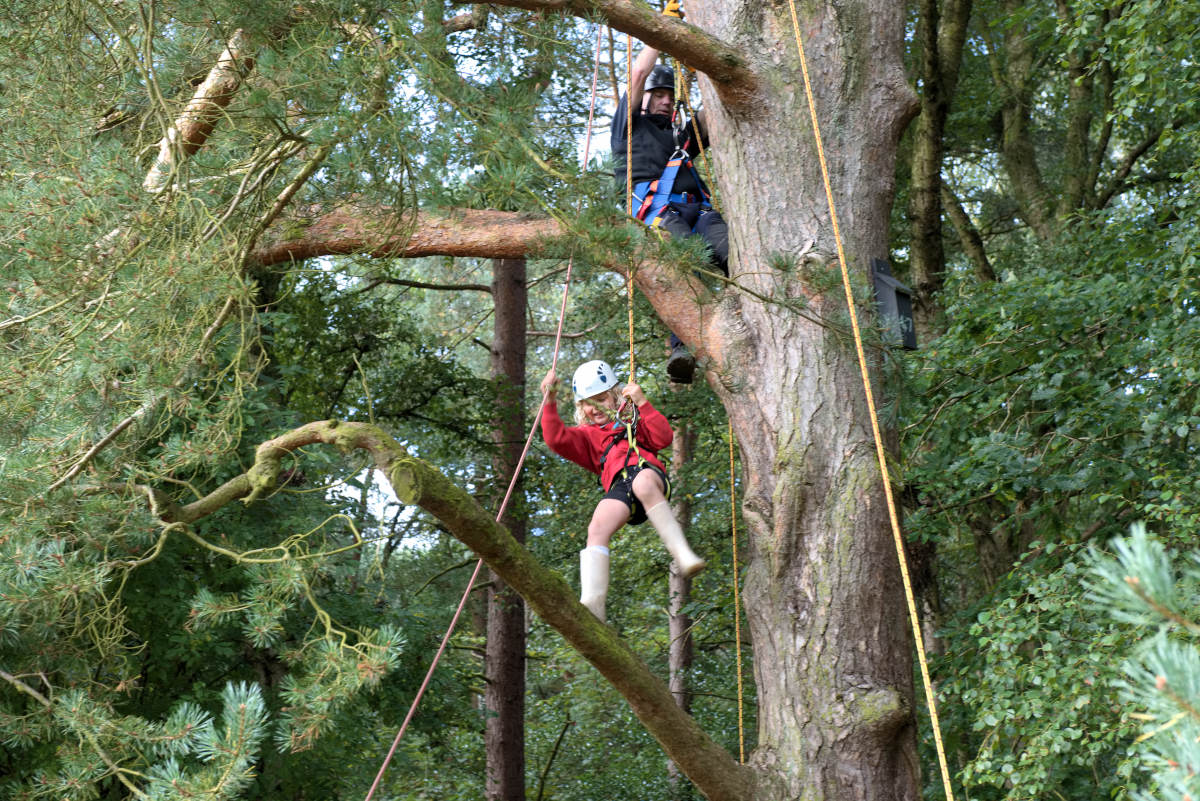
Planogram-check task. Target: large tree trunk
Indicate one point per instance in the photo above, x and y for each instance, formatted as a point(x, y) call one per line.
point(504, 670)
point(823, 595)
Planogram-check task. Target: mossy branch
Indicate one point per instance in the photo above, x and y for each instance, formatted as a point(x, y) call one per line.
point(414, 481)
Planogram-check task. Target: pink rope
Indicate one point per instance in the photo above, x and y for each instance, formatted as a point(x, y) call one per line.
point(562, 313)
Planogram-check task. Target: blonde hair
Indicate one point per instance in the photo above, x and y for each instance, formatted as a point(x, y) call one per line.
point(581, 415)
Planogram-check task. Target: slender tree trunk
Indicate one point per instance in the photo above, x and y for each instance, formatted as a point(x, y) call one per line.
point(1015, 136)
point(679, 623)
point(969, 237)
point(504, 700)
point(941, 32)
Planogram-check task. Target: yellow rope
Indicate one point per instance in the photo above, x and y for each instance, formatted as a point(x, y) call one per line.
point(879, 448)
point(629, 182)
point(629, 123)
point(704, 163)
point(737, 605)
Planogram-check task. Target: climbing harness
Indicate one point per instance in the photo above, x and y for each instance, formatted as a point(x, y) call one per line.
point(623, 429)
point(880, 452)
point(653, 197)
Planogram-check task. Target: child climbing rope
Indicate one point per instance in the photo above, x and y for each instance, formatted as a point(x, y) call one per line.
point(633, 479)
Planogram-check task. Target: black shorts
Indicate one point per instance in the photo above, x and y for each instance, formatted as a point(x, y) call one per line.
point(622, 490)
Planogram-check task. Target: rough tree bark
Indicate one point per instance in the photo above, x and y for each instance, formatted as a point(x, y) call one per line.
point(823, 597)
point(832, 653)
point(504, 660)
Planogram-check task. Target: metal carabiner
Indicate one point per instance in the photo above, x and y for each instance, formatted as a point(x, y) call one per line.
point(678, 127)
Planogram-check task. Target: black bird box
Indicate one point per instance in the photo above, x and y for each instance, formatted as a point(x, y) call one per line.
point(895, 305)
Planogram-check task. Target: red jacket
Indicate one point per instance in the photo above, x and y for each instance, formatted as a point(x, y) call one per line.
point(585, 444)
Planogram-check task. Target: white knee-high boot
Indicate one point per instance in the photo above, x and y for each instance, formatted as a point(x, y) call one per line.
point(593, 579)
point(671, 534)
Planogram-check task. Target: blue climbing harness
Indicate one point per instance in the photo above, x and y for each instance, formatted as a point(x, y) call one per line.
point(651, 197)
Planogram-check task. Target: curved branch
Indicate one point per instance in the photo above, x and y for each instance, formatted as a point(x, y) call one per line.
point(727, 67)
point(1117, 184)
point(718, 776)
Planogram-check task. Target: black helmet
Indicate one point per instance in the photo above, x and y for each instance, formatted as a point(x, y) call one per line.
point(661, 77)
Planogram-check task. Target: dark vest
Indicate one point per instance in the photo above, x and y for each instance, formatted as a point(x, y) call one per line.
point(653, 145)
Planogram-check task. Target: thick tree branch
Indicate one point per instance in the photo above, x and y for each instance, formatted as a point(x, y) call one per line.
point(471, 20)
point(718, 776)
point(727, 67)
point(680, 299)
point(380, 232)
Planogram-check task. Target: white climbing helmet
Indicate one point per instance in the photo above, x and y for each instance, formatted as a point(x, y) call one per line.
point(592, 378)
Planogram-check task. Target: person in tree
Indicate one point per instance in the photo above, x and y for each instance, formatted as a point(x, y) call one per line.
point(633, 479)
point(668, 193)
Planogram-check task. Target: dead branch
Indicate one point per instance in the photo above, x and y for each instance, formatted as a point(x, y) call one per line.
point(385, 281)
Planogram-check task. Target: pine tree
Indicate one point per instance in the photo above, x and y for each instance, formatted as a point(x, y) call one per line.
point(1156, 591)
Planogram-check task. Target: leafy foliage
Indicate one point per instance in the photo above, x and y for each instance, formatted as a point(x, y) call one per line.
point(1029, 675)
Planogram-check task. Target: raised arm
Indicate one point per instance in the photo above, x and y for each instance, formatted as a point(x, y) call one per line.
point(642, 66)
point(646, 60)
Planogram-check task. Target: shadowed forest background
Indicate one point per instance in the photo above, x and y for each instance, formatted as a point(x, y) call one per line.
point(152, 338)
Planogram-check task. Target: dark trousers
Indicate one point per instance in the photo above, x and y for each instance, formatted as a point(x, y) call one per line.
point(690, 219)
